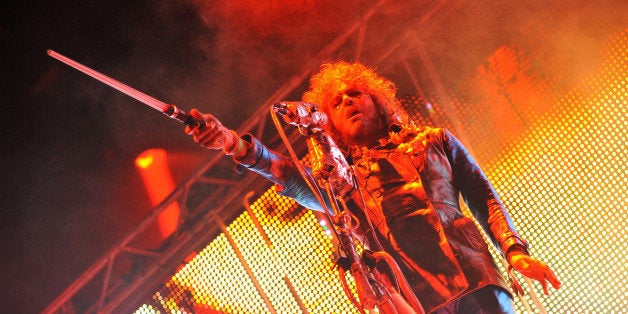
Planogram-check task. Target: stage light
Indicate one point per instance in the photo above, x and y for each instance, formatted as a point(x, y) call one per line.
point(153, 166)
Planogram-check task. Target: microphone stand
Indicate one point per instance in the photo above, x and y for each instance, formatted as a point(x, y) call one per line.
point(331, 171)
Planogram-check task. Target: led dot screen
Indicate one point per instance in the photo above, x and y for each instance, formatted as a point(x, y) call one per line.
point(290, 258)
point(556, 155)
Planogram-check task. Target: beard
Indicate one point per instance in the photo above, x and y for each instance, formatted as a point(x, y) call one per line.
point(362, 133)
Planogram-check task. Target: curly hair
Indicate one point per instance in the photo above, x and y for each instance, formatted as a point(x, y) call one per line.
point(335, 76)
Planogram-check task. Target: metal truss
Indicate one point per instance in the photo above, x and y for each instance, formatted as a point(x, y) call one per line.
point(128, 274)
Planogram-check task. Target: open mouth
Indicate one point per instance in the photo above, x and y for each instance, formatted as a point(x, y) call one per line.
point(354, 113)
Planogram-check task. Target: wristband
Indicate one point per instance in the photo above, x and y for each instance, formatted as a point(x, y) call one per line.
point(516, 248)
point(235, 146)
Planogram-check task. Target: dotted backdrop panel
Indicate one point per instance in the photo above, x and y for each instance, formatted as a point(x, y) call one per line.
point(556, 155)
point(289, 254)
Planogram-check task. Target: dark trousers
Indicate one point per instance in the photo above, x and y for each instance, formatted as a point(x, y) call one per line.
point(487, 300)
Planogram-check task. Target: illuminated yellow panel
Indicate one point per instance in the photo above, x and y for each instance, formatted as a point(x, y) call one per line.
point(565, 183)
point(296, 255)
point(563, 175)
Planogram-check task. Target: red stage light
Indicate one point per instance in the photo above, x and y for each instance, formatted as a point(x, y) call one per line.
point(153, 166)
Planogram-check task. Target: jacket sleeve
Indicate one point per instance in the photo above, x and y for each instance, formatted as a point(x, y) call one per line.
point(481, 197)
point(280, 170)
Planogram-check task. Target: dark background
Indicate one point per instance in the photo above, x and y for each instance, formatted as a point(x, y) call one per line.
point(69, 189)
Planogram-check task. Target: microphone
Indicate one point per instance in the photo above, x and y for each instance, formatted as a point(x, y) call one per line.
point(301, 114)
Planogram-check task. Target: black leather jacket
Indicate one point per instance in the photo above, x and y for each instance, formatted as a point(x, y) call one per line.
point(410, 191)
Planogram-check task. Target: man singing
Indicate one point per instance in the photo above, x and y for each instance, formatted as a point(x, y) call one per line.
point(410, 180)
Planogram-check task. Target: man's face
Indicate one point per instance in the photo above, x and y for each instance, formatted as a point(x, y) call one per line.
point(355, 117)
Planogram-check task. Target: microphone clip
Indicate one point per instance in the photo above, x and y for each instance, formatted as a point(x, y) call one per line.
point(306, 116)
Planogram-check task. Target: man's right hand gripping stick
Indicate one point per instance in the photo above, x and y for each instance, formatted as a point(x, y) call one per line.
point(212, 134)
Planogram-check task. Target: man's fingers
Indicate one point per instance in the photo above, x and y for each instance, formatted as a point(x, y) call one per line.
point(196, 114)
point(551, 277)
point(544, 284)
point(536, 270)
point(209, 120)
point(210, 139)
point(555, 283)
point(210, 134)
point(210, 128)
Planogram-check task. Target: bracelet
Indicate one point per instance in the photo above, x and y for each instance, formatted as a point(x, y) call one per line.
point(516, 248)
point(235, 146)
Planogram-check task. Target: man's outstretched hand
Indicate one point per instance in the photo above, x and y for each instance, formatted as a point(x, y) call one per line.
point(533, 269)
point(213, 134)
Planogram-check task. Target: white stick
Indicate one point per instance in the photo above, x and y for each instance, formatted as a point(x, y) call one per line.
point(148, 100)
